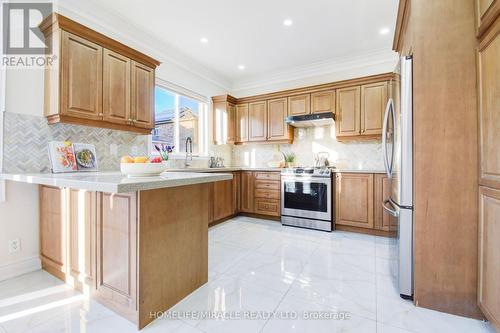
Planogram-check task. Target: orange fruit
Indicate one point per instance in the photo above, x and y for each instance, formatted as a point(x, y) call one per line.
point(140, 159)
point(126, 159)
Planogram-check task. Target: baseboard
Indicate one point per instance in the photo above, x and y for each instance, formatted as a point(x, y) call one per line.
point(20, 267)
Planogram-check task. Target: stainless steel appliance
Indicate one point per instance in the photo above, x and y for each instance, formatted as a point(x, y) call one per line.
point(311, 120)
point(397, 147)
point(306, 198)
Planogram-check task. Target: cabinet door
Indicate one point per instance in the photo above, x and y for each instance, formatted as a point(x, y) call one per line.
point(81, 78)
point(489, 107)
point(277, 129)
point(53, 230)
point(223, 199)
point(247, 192)
point(354, 200)
point(117, 251)
point(299, 105)
point(242, 123)
point(489, 254)
point(323, 101)
point(257, 126)
point(382, 219)
point(236, 192)
point(231, 123)
point(143, 83)
point(373, 103)
point(82, 232)
point(116, 88)
point(347, 122)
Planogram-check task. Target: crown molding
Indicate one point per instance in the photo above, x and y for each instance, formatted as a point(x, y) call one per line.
point(379, 60)
point(112, 24)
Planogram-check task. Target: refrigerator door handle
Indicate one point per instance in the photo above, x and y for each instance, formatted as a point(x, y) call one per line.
point(392, 212)
point(388, 109)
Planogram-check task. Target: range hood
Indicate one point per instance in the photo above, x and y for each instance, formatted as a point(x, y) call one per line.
point(311, 120)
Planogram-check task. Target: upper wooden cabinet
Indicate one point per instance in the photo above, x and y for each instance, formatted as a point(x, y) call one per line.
point(257, 121)
point(347, 122)
point(277, 129)
point(360, 110)
point(96, 81)
point(354, 200)
point(299, 105)
point(323, 101)
point(116, 88)
point(489, 107)
point(224, 119)
point(242, 123)
point(373, 102)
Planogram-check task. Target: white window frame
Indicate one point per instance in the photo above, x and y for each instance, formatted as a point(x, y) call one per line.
point(3, 91)
point(203, 135)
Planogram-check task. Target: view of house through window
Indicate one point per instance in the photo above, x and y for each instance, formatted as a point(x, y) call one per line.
point(178, 117)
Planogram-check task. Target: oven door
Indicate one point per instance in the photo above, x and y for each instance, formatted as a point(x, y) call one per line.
point(308, 197)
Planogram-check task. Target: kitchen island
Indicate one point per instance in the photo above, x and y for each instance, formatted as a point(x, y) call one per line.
point(137, 245)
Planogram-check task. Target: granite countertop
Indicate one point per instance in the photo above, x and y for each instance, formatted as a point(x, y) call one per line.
point(115, 182)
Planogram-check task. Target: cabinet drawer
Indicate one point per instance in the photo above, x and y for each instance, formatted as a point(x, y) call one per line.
point(267, 175)
point(267, 207)
point(267, 184)
point(267, 194)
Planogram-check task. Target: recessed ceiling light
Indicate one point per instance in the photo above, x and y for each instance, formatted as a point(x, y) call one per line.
point(384, 31)
point(241, 67)
point(287, 22)
point(204, 40)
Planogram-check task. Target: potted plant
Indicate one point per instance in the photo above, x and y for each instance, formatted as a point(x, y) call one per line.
point(289, 159)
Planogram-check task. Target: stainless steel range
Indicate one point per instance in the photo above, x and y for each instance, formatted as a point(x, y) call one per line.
point(306, 198)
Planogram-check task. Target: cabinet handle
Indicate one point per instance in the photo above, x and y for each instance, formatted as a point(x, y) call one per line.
point(100, 115)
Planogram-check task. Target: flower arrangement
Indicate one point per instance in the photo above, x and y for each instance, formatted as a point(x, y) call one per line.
point(164, 150)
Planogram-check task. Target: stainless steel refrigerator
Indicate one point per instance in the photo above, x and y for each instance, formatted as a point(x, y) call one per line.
point(397, 148)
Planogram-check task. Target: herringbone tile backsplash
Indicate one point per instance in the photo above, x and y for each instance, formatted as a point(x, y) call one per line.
point(26, 140)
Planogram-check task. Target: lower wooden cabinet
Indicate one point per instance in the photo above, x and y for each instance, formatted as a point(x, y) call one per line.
point(489, 254)
point(260, 193)
point(246, 192)
point(223, 199)
point(354, 200)
point(382, 191)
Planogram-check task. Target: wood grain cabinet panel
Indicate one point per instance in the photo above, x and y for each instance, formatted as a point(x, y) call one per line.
point(117, 251)
point(382, 191)
point(299, 105)
point(257, 121)
point(489, 107)
point(81, 77)
point(231, 123)
point(116, 88)
point(373, 103)
point(277, 129)
point(143, 78)
point(347, 121)
point(489, 254)
point(487, 11)
point(241, 123)
point(53, 230)
point(267, 207)
point(247, 192)
point(323, 101)
point(354, 200)
point(223, 199)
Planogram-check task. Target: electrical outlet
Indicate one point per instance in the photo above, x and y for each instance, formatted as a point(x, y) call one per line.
point(14, 245)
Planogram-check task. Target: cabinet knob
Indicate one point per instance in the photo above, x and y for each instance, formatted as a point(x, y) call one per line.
point(100, 114)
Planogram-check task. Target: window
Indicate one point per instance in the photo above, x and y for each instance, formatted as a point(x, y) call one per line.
point(177, 117)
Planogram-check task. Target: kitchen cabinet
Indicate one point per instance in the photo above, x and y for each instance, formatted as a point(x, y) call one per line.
point(373, 103)
point(267, 193)
point(241, 123)
point(299, 105)
point(277, 129)
point(81, 77)
point(246, 192)
point(487, 12)
point(323, 101)
point(489, 101)
point(382, 191)
point(489, 254)
point(354, 200)
point(223, 199)
point(236, 192)
point(116, 88)
point(97, 81)
point(347, 122)
point(224, 120)
point(257, 121)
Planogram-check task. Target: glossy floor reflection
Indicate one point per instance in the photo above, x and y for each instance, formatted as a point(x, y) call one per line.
point(256, 267)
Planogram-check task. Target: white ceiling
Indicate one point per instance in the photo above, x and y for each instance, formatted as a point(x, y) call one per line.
point(252, 32)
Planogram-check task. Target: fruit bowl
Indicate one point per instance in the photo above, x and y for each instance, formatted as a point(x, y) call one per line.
point(142, 169)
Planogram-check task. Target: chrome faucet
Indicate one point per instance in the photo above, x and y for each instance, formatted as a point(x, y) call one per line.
point(189, 151)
